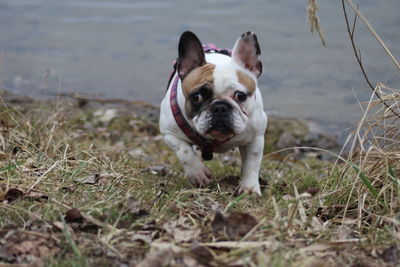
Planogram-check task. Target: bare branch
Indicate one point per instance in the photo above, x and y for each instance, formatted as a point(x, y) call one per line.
point(357, 54)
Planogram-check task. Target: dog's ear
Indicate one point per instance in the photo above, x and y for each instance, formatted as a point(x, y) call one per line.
point(191, 54)
point(246, 52)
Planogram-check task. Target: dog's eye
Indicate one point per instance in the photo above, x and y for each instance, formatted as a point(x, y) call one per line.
point(240, 96)
point(196, 98)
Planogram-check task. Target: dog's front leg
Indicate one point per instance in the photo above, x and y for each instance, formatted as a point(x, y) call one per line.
point(193, 165)
point(251, 155)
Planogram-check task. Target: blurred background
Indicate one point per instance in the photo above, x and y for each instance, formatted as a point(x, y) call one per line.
point(125, 49)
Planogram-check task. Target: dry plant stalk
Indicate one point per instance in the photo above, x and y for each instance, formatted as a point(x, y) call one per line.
point(313, 19)
point(377, 154)
point(375, 149)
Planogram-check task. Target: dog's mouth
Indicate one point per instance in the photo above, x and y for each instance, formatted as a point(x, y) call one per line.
point(220, 130)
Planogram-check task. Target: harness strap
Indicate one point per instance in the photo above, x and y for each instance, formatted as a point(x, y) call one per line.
point(206, 146)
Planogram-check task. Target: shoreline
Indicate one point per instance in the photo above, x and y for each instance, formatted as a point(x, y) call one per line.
point(282, 132)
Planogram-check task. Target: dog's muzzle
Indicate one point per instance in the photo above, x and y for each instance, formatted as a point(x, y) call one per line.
point(221, 118)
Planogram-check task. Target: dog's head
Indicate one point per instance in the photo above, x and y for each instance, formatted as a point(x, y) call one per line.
point(219, 95)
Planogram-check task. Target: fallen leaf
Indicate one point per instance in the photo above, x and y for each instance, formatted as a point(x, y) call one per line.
point(22, 248)
point(13, 194)
point(124, 224)
point(202, 255)
point(33, 217)
point(317, 247)
point(88, 227)
point(156, 258)
point(313, 190)
point(391, 254)
point(231, 180)
point(102, 178)
point(229, 183)
point(73, 215)
point(59, 226)
point(2, 195)
point(36, 195)
point(344, 232)
point(141, 238)
point(132, 204)
point(159, 169)
point(134, 207)
point(223, 244)
point(91, 179)
point(236, 224)
point(240, 223)
point(181, 233)
point(219, 224)
point(189, 261)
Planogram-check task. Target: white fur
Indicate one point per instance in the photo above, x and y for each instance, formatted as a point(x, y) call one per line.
point(250, 128)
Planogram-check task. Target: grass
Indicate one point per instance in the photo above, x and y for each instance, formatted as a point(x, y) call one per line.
point(311, 212)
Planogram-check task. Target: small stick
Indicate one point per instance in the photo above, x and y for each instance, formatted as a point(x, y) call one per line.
point(357, 53)
point(374, 33)
point(42, 176)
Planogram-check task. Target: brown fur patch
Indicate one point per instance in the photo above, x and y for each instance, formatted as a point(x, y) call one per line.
point(247, 82)
point(198, 77)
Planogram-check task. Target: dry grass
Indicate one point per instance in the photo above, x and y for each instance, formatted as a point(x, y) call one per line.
point(313, 19)
point(375, 154)
point(84, 185)
point(96, 185)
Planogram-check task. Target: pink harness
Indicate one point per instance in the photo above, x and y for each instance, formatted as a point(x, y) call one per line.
point(206, 146)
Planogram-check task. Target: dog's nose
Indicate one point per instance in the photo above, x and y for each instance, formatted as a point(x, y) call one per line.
point(220, 108)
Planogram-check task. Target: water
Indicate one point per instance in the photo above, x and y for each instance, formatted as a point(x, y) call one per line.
point(125, 49)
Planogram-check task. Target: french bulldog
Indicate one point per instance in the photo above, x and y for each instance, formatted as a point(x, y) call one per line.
point(213, 104)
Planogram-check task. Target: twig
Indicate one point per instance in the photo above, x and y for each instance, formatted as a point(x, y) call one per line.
point(42, 176)
point(357, 54)
point(85, 216)
point(374, 33)
point(221, 244)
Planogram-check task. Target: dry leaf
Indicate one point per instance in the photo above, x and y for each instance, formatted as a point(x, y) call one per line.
point(240, 223)
point(236, 224)
point(156, 258)
point(59, 226)
point(73, 215)
point(142, 238)
point(23, 248)
point(181, 233)
point(391, 254)
point(91, 179)
point(33, 217)
point(159, 169)
point(13, 194)
point(202, 255)
point(219, 224)
point(102, 178)
point(189, 261)
point(313, 190)
point(134, 207)
point(36, 195)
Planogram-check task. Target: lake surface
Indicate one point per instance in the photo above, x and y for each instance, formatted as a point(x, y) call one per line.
point(125, 49)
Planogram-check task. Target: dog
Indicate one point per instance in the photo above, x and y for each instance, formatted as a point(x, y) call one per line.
point(213, 104)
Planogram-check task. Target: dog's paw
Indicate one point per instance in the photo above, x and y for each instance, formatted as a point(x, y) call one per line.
point(198, 174)
point(249, 186)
